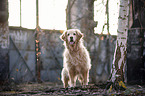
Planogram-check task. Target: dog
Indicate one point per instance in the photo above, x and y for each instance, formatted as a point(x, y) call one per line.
point(76, 59)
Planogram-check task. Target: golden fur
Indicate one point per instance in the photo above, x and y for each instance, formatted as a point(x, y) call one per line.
point(76, 59)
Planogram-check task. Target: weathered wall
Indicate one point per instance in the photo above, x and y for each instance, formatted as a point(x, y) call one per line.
point(101, 54)
point(22, 56)
point(136, 43)
point(51, 55)
point(135, 56)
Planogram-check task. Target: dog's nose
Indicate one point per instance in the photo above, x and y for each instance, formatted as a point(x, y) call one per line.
point(71, 38)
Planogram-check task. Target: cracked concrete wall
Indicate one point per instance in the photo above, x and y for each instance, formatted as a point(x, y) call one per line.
point(51, 56)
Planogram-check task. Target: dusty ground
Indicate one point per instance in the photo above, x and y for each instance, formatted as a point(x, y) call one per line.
point(49, 88)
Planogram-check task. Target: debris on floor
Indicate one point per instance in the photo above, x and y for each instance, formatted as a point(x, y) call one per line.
point(49, 88)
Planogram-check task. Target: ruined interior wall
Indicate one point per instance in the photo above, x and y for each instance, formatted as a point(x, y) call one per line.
point(51, 56)
point(22, 55)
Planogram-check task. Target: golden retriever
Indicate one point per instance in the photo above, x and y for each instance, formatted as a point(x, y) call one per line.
point(76, 59)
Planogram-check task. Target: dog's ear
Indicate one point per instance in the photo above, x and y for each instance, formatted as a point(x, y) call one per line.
point(80, 35)
point(63, 36)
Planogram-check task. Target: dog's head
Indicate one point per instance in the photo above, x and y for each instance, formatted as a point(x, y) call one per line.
point(71, 36)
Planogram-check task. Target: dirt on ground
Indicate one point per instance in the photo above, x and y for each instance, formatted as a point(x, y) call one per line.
point(48, 88)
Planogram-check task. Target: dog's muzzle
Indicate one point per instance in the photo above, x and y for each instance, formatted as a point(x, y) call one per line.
point(71, 40)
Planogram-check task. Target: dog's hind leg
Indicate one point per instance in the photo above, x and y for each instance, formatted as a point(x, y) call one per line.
point(66, 82)
point(85, 77)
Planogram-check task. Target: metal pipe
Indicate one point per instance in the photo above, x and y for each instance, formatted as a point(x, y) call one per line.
point(20, 14)
point(37, 13)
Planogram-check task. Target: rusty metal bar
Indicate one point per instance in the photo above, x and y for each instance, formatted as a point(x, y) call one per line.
point(107, 13)
point(37, 45)
point(37, 54)
point(37, 13)
point(20, 14)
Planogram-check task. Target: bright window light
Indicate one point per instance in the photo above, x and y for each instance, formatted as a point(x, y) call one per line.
point(52, 14)
point(29, 14)
point(14, 13)
point(99, 15)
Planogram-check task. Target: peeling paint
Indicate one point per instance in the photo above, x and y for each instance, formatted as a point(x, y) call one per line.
point(19, 36)
point(4, 38)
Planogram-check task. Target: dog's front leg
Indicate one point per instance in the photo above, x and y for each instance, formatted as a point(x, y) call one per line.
point(72, 77)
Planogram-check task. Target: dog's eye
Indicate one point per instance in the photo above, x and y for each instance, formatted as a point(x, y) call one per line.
point(74, 34)
point(68, 34)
